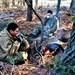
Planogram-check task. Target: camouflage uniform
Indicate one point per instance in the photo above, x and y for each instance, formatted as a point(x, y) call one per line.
point(50, 26)
point(11, 50)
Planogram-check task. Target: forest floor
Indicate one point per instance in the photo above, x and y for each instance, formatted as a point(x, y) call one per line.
point(26, 27)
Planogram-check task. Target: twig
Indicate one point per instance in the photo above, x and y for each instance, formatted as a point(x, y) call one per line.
point(1, 73)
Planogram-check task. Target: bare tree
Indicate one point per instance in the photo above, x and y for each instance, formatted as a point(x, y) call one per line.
point(13, 2)
point(29, 11)
point(58, 7)
point(71, 4)
point(72, 7)
point(36, 2)
point(23, 2)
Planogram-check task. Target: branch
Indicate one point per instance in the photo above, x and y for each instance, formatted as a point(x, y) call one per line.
point(38, 18)
point(33, 10)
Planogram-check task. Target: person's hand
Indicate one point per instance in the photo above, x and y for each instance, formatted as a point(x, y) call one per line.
point(27, 46)
point(43, 48)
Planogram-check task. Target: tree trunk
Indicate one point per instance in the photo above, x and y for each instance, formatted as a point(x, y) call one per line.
point(23, 2)
point(71, 5)
point(13, 2)
point(29, 11)
point(36, 1)
point(58, 7)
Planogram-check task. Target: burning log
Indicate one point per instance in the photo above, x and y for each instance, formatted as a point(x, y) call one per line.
point(52, 49)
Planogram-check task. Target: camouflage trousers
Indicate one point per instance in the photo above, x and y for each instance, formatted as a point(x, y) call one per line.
point(22, 55)
point(37, 30)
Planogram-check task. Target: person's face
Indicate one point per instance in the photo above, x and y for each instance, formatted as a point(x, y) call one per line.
point(49, 15)
point(15, 32)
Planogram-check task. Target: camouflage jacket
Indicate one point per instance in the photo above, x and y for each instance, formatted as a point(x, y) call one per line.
point(8, 46)
point(50, 24)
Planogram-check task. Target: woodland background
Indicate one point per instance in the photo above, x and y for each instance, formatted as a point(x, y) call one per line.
point(24, 16)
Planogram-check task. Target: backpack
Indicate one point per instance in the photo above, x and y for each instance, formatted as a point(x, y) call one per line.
point(4, 23)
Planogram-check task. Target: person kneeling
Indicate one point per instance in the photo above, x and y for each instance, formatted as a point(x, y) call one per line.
point(13, 45)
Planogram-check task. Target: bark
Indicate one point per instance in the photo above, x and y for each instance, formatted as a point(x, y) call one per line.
point(58, 7)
